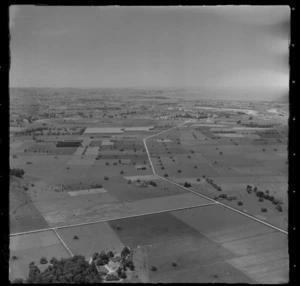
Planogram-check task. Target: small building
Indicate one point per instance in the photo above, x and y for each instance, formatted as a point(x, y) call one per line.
point(140, 167)
point(125, 161)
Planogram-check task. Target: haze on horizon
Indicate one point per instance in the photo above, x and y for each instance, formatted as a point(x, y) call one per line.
point(211, 47)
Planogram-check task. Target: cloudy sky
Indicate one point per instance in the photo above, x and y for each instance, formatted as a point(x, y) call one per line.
point(185, 47)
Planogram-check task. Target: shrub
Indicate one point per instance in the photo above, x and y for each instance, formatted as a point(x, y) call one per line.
point(166, 175)
point(174, 264)
point(240, 203)
point(187, 184)
point(260, 199)
point(14, 257)
point(43, 260)
point(279, 208)
point(195, 167)
point(152, 184)
point(75, 237)
point(264, 210)
point(162, 168)
point(106, 178)
point(122, 172)
point(123, 275)
point(198, 180)
point(153, 268)
point(129, 181)
point(106, 163)
point(179, 171)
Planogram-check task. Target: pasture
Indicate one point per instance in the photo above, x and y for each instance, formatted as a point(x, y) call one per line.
point(91, 238)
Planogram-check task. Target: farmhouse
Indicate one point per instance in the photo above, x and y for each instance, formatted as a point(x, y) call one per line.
point(74, 143)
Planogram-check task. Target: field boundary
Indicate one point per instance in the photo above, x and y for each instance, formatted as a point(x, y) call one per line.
point(63, 243)
point(112, 219)
point(203, 196)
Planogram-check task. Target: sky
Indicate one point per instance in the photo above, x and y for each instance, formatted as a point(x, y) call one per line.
point(144, 47)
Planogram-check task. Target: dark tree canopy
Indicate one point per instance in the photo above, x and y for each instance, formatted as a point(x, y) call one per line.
point(66, 270)
point(17, 172)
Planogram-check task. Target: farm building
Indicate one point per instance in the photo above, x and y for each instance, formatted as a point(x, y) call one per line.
point(140, 167)
point(125, 161)
point(102, 130)
point(68, 143)
point(142, 128)
point(107, 142)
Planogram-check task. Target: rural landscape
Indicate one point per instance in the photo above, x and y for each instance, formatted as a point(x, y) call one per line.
point(197, 189)
point(149, 144)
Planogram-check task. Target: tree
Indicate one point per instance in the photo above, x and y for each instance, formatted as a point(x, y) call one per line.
point(43, 260)
point(187, 184)
point(110, 254)
point(75, 237)
point(16, 172)
point(174, 264)
point(240, 203)
point(153, 268)
point(125, 251)
point(123, 275)
point(264, 210)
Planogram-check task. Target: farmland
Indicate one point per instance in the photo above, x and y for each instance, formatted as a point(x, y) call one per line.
point(113, 181)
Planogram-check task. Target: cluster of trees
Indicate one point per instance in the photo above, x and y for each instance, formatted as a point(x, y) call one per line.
point(265, 195)
point(226, 197)
point(152, 184)
point(212, 183)
point(16, 172)
point(102, 258)
point(66, 270)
